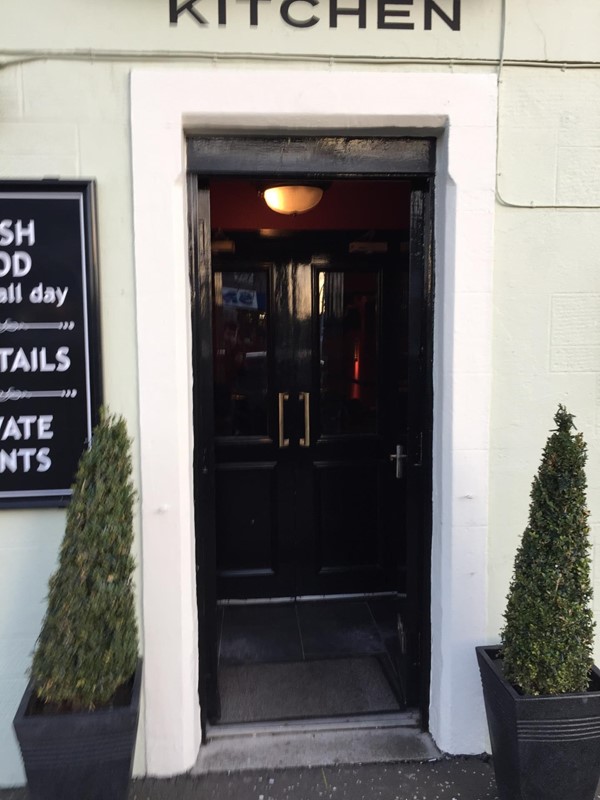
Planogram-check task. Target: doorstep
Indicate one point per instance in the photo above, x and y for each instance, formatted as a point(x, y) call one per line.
point(377, 739)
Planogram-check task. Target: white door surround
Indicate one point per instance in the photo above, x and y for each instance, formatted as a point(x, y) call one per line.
point(461, 111)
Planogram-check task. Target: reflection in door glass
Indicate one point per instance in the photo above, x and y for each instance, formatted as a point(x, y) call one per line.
point(240, 353)
point(348, 352)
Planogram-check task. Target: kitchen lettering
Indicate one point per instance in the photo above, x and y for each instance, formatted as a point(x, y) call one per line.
point(402, 15)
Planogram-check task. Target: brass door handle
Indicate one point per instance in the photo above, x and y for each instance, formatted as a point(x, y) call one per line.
point(281, 398)
point(305, 398)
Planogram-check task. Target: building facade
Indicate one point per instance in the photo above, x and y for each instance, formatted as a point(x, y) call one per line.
point(467, 135)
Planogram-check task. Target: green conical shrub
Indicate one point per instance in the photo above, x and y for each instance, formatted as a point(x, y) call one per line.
point(548, 636)
point(88, 645)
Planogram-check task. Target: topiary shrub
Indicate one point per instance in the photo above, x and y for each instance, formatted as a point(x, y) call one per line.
point(548, 636)
point(88, 645)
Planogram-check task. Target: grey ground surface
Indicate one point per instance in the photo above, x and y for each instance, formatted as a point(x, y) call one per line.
point(445, 779)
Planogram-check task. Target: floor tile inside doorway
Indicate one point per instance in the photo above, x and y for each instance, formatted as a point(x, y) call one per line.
point(272, 632)
point(252, 634)
point(306, 659)
point(336, 629)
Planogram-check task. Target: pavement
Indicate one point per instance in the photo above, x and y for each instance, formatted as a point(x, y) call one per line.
point(446, 778)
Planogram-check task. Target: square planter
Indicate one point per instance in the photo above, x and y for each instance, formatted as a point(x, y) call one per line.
point(545, 747)
point(79, 756)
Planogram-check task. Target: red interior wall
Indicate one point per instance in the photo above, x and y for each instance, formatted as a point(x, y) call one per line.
point(346, 205)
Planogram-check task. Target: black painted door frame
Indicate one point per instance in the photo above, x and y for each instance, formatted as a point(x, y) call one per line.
point(325, 157)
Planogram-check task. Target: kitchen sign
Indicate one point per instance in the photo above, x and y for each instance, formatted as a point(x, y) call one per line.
point(400, 15)
point(50, 387)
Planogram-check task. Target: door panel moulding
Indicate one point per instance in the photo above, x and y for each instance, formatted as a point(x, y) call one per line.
point(166, 104)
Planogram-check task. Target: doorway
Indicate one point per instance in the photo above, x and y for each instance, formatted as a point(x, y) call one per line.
point(313, 430)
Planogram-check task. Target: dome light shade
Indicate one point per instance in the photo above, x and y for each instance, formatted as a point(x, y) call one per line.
point(293, 199)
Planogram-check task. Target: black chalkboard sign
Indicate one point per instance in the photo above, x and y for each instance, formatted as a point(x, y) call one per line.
point(50, 381)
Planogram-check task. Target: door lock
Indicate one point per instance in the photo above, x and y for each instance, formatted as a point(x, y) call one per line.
point(399, 457)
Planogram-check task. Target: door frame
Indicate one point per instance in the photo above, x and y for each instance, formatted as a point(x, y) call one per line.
point(330, 157)
point(460, 109)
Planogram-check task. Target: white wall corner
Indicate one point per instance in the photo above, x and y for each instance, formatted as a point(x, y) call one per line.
point(462, 397)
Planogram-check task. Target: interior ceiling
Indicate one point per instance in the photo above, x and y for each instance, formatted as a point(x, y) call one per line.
point(346, 205)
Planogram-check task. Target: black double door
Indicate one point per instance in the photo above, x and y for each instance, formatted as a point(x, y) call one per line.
point(314, 415)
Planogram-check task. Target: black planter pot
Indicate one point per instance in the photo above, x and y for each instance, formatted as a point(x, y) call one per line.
point(546, 747)
point(80, 756)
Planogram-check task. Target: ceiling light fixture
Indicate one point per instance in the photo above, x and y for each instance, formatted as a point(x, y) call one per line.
point(292, 198)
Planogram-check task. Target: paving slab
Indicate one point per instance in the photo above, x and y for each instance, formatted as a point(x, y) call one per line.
point(468, 778)
point(447, 778)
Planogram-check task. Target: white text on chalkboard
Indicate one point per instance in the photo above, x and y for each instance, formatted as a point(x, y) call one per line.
point(21, 459)
point(20, 232)
point(34, 360)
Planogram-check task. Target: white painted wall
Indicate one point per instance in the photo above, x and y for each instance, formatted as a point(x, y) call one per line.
point(70, 121)
point(29, 544)
point(71, 118)
point(546, 298)
point(536, 29)
point(143, 26)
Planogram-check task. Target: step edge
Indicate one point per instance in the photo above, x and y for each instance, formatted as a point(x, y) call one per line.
point(404, 720)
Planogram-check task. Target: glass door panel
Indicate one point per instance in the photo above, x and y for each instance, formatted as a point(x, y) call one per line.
point(348, 332)
point(241, 353)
